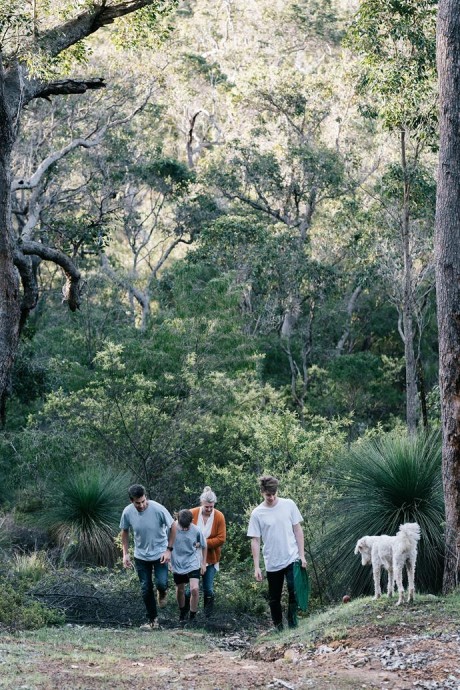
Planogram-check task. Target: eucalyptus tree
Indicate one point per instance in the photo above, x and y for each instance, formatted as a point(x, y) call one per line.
point(448, 275)
point(38, 42)
point(283, 176)
point(396, 54)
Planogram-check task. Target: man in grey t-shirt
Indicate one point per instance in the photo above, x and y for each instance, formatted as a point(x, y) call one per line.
point(154, 533)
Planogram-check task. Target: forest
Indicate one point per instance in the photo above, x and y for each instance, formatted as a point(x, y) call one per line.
point(218, 260)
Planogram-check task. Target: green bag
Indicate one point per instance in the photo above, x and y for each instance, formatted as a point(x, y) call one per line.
point(301, 586)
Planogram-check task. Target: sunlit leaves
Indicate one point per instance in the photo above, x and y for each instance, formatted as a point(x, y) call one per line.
point(395, 42)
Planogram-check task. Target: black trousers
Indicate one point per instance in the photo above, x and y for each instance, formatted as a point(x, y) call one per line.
point(275, 589)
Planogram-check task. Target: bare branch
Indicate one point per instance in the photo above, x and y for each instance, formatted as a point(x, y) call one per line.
point(97, 15)
point(86, 143)
point(71, 289)
point(66, 87)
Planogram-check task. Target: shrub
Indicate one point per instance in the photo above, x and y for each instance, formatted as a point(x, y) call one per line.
point(239, 594)
point(383, 483)
point(85, 515)
point(30, 567)
point(18, 612)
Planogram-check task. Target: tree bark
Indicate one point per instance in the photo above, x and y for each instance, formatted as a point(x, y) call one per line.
point(408, 317)
point(10, 298)
point(447, 255)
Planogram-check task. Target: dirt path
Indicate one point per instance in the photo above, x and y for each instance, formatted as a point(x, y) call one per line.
point(396, 659)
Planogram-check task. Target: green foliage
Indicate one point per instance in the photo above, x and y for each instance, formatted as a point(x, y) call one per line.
point(318, 17)
point(18, 612)
point(422, 188)
point(271, 440)
point(395, 41)
point(384, 482)
point(84, 513)
point(147, 27)
point(15, 24)
point(238, 592)
point(362, 385)
point(167, 174)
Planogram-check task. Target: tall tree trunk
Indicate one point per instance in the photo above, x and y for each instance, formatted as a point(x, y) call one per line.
point(9, 279)
point(408, 319)
point(447, 256)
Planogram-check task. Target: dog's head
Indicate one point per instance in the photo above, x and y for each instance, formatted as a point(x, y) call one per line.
point(364, 549)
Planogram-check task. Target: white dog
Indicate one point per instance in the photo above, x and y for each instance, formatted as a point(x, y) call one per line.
point(392, 553)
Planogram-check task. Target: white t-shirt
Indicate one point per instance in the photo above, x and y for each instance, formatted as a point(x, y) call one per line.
point(274, 524)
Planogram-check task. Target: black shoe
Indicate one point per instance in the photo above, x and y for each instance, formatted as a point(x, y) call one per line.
point(208, 605)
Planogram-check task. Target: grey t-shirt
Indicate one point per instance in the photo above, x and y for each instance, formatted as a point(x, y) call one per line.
point(187, 555)
point(150, 529)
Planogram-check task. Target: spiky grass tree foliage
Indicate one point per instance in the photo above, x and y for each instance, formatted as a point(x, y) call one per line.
point(383, 483)
point(85, 515)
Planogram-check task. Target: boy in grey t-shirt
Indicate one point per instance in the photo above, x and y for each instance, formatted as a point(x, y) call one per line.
point(188, 560)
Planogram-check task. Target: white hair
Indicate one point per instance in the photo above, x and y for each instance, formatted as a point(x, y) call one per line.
point(208, 495)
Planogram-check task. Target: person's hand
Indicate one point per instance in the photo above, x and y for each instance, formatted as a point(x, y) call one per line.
point(258, 574)
point(127, 562)
point(203, 568)
point(166, 557)
point(303, 562)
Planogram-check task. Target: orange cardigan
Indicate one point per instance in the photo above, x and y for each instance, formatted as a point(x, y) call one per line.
point(216, 538)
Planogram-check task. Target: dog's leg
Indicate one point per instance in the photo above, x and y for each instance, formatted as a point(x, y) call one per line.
point(410, 579)
point(376, 568)
point(391, 582)
point(399, 582)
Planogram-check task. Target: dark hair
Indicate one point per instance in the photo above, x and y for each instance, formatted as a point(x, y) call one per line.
point(185, 517)
point(268, 484)
point(136, 491)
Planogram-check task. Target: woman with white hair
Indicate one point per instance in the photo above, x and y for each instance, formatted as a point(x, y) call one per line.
point(211, 522)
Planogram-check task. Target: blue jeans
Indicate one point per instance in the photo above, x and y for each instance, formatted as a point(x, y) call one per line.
point(145, 571)
point(208, 581)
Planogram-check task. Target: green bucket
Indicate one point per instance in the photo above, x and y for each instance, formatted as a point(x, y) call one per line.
point(301, 586)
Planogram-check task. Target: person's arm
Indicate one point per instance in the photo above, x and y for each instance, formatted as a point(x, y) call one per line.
point(298, 533)
point(204, 556)
point(221, 534)
point(125, 544)
point(166, 556)
point(255, 550)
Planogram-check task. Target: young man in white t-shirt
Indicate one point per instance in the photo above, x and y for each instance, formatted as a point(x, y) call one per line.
point(277, 522)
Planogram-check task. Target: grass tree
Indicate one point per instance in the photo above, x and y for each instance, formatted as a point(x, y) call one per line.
point(384, 482)
point(85, 514)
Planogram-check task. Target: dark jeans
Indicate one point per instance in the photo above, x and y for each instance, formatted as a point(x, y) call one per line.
point(275, 589)
point(208, 581)
point(145, 571)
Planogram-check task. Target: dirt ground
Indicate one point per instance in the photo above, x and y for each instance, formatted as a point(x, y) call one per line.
point(396, 657)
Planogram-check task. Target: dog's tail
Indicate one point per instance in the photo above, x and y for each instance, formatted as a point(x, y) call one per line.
point(411, 530)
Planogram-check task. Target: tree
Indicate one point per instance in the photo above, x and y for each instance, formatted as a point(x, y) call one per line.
point(29, 63)
point(448, 275)
point(395, 44)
